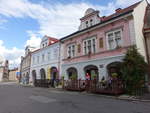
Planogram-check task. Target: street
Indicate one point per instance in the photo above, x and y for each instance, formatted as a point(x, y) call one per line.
point(20, 99)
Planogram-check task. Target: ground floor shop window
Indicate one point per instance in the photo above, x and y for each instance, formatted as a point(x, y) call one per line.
point(54, 76)
point(91, 72)
point(114, 70)
point(72, 73)
point(43, 74)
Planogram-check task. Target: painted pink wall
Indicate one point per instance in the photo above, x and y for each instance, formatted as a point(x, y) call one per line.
point(100, 33)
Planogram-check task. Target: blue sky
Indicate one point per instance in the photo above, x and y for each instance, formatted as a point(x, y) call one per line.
point(24, 22)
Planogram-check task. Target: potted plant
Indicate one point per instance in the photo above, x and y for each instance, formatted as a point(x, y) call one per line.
point(74, 77)
point(114, 75)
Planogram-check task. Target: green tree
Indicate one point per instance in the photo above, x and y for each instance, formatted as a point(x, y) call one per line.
point(134, 69)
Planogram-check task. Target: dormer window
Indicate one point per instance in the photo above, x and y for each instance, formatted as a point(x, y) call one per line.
point(90, 18)
point(46, 41)
point(86, 23)
point(91, 22)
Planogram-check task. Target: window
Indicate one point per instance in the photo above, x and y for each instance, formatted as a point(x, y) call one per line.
point(114, 39)
point(48, 56)
point(38, 59)
point(43, 57)
point(55, 53)
point(94, 47)
point(118, 38)
point(71, 50)
point(91, 22)
point(89, 45)
point(33, 60)
point(111, 41)
point(101, 44)
point(85, 47)
point(86, 23)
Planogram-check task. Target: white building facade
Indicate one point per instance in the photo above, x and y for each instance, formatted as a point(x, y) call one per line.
point(45, 61)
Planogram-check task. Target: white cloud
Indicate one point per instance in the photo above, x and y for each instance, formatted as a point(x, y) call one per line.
point(59, 19)
point(56, 20)
point(13, 54)
point(64, 19)
point(124, 3)
point(34, 40)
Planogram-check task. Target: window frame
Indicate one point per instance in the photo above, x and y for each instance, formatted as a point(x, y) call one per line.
point(86, 52)
point(48, 56)
point(43, 57)
point(113, 38)
point(38, 59)
point(71, 55)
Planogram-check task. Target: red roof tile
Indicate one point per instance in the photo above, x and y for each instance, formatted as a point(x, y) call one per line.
point(121, 11)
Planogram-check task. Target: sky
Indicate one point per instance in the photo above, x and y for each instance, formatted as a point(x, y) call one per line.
point(25, 22)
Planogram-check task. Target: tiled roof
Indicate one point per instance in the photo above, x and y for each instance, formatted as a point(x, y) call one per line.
point(121, 11)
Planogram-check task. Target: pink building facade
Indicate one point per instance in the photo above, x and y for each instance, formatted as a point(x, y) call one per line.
point(101, 42)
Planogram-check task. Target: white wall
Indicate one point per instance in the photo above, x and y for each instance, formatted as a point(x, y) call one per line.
point(132, 32)
point(47, 63)
point(138, 15)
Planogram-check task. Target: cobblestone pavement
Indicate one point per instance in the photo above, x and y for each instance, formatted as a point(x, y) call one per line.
point(19, 99)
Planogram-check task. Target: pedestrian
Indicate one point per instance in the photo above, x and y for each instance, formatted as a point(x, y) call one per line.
point(87, 76)
point(87, 81)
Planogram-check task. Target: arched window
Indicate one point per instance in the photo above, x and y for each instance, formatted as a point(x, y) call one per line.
point(92, 72)
point(54, 73)
point(114, 69)
point(72, 73)
point(43, 75)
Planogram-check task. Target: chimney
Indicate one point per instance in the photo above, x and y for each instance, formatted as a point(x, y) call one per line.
point(118, 10)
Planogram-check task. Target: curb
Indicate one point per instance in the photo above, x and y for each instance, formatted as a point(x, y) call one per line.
point(127, 99)
point(112, 97)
